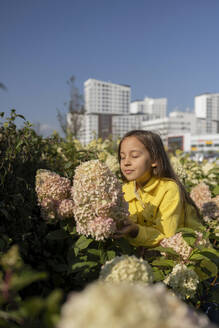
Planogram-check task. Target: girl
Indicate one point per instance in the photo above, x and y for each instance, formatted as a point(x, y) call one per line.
point(158, 202)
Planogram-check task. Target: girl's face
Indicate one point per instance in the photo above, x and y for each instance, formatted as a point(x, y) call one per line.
point(135, 159)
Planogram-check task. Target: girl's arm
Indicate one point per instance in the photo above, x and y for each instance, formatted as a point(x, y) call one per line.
point(164, 225)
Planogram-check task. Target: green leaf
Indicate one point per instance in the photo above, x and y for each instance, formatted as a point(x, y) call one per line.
point(80, 266)
point(196, 257)
point(54, 299)
point(187, 230)
point(83, 242)
point(163, 262)
point(212, 254)
point(68, 165)
point(94, 251)
point(110, 255)
point(158, 274)
point(27, 278)
point(190, 239)
point(57, 235)
point(216, 190)
point(209, 268)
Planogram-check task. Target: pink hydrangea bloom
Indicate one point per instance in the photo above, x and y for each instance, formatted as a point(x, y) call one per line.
point(53, 192)
point(178, 244)
point(98, 198)
point(200, 194)
point(51, 185)
point(65, 209)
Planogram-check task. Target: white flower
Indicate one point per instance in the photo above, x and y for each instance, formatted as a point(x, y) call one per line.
point(183, 281)
point(127, 268)
point(112, 163)
point(124, 305)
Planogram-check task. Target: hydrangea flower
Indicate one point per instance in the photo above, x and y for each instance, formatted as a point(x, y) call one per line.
point(200, 194)
point(65, 209)
point(127, 268)
point(98, 198)
point(183, 281)
point(178, 168)
point(178, 244)
point(112, 162)
point(126, 305)
point(51, 185)
point(53, 192)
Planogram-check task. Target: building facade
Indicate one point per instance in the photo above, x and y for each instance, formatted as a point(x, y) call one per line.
point(154, 107)
point(124, 123)
point(106, 97)
point(207, 113)
point(176, 123)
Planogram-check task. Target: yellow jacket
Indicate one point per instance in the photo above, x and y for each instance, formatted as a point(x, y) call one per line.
point(157, 209)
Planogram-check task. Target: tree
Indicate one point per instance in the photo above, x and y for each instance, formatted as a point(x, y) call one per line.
point(3, 87)
point(71, 122)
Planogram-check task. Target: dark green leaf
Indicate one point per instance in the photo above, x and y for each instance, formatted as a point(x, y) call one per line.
point(83, 242)
point(80, 266)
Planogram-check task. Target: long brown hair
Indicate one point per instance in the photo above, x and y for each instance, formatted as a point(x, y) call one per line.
point(154, 145)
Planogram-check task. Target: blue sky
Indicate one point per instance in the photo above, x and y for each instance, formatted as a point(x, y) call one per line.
point(161, 48)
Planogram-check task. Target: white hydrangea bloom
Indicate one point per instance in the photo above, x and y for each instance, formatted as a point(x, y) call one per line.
point(207, 167)
point(127, 268)
point(112, 163)
point(126, 305)
point(97, 193)
point(178, 168)
point(183, 281)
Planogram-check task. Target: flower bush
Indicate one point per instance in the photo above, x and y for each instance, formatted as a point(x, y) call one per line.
point(127, 268)
point(53, 259)
point(127, 305)
point(99, 204)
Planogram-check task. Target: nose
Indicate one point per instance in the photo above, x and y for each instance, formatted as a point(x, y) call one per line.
point(127, 161)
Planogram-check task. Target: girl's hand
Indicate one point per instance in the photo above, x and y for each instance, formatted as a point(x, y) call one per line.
point(129, 229)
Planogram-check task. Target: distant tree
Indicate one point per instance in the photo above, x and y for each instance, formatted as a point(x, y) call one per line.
point(71, 122)
point(3, 87)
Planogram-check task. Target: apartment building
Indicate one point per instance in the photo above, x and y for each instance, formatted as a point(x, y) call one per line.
point(207, 112)
point(106, 97)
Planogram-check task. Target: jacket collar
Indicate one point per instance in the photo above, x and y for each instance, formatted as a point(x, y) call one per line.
point(130, 188)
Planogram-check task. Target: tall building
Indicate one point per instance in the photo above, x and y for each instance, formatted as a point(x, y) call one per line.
point(106, 97)
point(154, 107)
point(207, 112)
point(103, 101)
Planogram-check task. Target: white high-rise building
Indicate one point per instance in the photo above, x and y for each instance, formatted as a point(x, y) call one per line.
point(156, 107)
point(106, 97)
point(207, 112)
